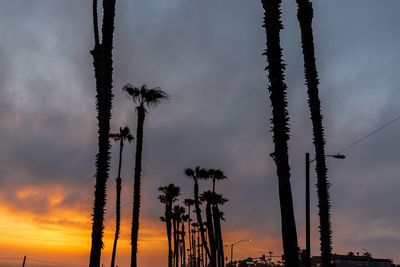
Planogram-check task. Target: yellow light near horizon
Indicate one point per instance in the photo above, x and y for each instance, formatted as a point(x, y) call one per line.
point(23, 230)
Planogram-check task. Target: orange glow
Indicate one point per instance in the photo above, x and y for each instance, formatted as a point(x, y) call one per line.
point(59, 232)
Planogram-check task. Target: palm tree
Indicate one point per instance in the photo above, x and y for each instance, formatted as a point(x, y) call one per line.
point(178, 212)
point(218, 216)
point(207, 197)
point(169, 195)
point(216, 175)
point(185, 218)
point(142, 96)
point(123, 134)
point(196, 174)
point(214, 217)
point(189, 202)
point(305, 16)
point(102, 62)
point(280, 128)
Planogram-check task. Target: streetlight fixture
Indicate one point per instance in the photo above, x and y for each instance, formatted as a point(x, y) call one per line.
point(308, 239)
point(233, 244)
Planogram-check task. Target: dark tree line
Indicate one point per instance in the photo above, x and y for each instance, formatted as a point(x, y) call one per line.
point(202, 237)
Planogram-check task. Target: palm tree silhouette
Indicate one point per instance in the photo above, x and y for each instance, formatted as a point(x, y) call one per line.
point(196, 174)
point(189, 202)
point(216, 175)
point(280, 128)
point(177, 212)
point(305, 16)
point(169, 195)
point(214, 217)
point(218, 200)
point(185, 218)
point(102, 62)
point(207, 197)
point(142, 96)
point(124, 134)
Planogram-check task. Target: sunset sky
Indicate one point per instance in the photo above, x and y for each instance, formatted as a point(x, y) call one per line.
point(207, 56)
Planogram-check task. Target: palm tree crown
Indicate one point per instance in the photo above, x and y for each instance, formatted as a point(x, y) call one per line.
point(124, 134)
point(169, 193)
point(144, 96)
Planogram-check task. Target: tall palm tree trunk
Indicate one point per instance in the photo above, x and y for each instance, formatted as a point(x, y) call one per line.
point(118, 204)
point(183, 245)
point(168, 223)
point(199, 219)
point(218, 236)
point(305, 16)
point(199, 248)
point(193, 253)
point(189, 233)
point(176, 250)
point(211, 235)
point(136, 187)
point(102, 61)
point(280, 128)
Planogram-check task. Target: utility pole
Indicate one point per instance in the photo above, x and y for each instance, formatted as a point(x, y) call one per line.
point(23, 263)
point(308, 242)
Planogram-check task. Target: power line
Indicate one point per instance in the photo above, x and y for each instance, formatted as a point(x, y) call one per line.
point(55, 263)
point(368, 135)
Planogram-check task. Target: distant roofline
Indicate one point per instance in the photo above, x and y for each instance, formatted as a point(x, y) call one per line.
point(355, 257)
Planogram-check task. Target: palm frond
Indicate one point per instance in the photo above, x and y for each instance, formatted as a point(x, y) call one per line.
point(153, 97)
point(133, 92)
point(115, 136)
point(189, 172)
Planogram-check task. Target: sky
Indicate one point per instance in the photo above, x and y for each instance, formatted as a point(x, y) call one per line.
point(207, 57)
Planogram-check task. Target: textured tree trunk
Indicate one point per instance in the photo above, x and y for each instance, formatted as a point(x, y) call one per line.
point(305, 16)
point(199, 219)
point(136, 186)
point(102, 61)
point(118, 204)
point(280, 128)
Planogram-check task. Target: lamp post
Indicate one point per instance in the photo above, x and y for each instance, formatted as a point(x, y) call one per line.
point(308, 239)
point(244, 240)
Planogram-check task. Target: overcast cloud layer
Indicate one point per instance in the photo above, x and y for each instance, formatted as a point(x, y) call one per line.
point(207, 56)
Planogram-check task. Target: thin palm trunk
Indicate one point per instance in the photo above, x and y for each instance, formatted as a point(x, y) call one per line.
point(118, 204)
point(102, 61)
point(280, 128)
point(168, 223)
point(199, 248)
point(305, 16)
point(194, 255)
point(211, 235)
point(218, 236)
point(183, 245)
point(199, 219)
point(189, 231)
point(136, 187)
point(176, 251)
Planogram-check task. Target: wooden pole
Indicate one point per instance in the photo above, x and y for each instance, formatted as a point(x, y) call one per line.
point(23, 263)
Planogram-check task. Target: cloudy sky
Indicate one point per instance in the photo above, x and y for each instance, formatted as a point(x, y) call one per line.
point(207, 56)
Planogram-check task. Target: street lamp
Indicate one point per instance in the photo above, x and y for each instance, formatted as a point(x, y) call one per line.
point(308, 241)
point(244, 240)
